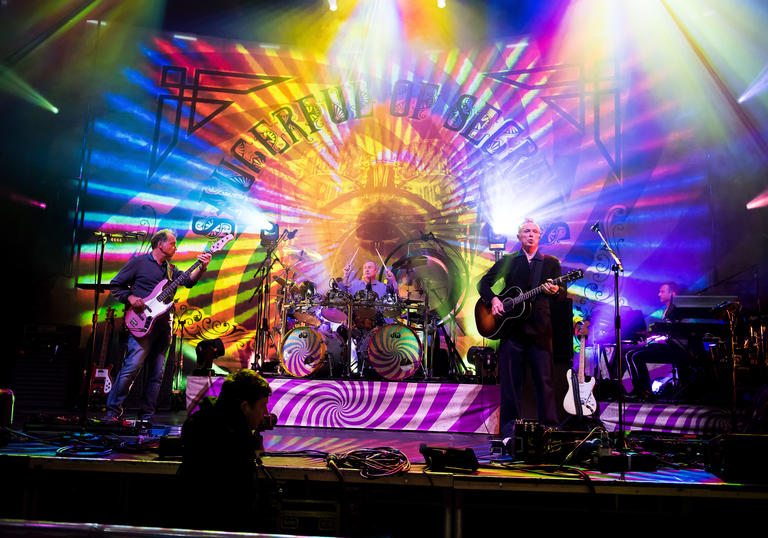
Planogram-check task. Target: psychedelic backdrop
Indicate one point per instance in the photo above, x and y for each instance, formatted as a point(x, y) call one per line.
point(419, 154)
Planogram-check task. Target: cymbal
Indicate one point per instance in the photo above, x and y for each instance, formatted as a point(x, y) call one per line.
point(305, 286)
point(284, 283)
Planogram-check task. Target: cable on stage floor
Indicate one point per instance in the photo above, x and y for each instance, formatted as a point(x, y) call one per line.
point(372, 462)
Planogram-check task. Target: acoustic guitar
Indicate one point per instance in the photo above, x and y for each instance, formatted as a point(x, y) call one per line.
point(517, 306)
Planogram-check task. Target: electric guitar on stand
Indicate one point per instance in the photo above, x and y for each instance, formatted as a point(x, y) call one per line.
point(160, 300)
point(101, 377)
point(579, 400)
point(517, 306)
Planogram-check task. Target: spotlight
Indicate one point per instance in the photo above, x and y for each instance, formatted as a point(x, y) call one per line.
point(269, 235)
point(333, 5)
point(206, 351)
point(441, 4)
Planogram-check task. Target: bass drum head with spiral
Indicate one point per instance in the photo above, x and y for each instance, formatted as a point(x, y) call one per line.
point(394, 351)
point(308, 351)
point(303, 351)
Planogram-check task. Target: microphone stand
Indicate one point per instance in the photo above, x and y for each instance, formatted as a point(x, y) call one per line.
point(85, 396)
point(617, 268)
point(262, 310)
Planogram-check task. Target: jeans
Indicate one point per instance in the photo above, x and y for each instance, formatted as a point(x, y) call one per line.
point(150, 351)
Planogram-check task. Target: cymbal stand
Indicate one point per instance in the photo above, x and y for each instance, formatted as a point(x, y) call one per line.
point(262, 311)
point(348, 352)
point(456, 367)
point(178, 401)
point(426, 356)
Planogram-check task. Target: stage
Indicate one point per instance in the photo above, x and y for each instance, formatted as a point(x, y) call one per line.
point(302, 494)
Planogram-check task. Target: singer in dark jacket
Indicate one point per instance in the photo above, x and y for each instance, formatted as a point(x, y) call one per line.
point(526, 342)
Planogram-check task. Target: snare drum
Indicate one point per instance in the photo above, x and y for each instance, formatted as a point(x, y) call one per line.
point(394, 351)
point(306, 351)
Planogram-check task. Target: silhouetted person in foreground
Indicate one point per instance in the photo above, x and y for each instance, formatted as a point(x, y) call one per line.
point(221, 442)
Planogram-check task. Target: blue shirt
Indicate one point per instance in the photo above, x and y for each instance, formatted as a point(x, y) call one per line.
point(140, 276)
point(357, 285)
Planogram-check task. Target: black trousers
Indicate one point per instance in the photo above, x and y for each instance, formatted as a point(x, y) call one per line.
point(515, 355)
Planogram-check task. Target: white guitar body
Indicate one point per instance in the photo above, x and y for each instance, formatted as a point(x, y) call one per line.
point(140, 323)
point(103, 375)
point(586, 398)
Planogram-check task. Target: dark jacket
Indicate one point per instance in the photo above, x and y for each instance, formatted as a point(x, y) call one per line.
point(219, 459)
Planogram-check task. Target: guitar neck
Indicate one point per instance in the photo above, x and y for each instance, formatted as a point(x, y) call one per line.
point(170, 289)
point(537, 290)
point(582, 357)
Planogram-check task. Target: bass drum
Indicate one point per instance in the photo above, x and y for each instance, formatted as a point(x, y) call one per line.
point(307, 351)
point(394, 351)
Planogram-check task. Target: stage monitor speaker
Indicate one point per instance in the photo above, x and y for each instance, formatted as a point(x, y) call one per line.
point(739, 457)
point(47, 370)
point(447, 460)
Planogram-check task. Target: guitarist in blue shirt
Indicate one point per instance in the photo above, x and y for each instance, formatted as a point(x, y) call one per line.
point(526, 341)
point(135, 281)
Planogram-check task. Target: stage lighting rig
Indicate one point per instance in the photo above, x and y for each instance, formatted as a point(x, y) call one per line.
point(485, 361)
point(270, 235)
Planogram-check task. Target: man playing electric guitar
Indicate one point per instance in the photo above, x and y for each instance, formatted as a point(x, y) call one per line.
point(135, 282)
point(527, 341)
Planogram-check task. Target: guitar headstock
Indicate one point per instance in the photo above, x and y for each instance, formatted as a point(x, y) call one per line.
point(218, 245)
point(570, 276)
point(583, 329)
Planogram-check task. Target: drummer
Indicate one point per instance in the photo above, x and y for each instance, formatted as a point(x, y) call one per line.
point(369, 279)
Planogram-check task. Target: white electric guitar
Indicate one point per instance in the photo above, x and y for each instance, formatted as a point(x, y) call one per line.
point(579, 399)
point(160, 300)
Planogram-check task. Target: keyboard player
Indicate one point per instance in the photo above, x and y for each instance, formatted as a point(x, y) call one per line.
point(660, 349)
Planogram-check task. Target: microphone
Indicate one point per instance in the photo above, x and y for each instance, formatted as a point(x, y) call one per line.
point(292, 233)
point(120, 235)
point(595, 227)
point(134, 235)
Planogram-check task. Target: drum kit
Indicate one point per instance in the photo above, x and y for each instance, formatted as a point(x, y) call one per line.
point(319, 332)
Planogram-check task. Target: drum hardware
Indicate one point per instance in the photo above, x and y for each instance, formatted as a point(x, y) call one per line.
point(288, 286)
